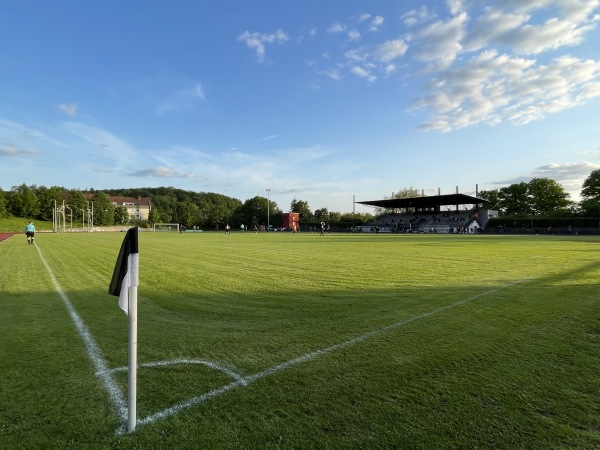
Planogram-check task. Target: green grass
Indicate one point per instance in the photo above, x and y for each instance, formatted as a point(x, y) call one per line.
point(17, 224)
point(465, 341)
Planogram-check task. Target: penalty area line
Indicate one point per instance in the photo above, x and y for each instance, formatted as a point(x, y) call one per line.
point(245, 381)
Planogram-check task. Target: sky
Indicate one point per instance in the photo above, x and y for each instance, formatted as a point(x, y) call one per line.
point(315, 100)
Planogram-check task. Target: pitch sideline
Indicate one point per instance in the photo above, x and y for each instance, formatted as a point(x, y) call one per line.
point(91, 346)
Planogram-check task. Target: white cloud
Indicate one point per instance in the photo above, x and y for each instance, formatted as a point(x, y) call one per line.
point(358, 54)
point(16, 132)
point(184, 99)
point(354, 35)
point(525, 26)
point(268, 138)
point(456, 6)
point(492, 87)
point(554, 33)
point(104, 144)
point(389, 69)
point(156, 172)
point(492, 26)
point(409, 21)
point(362, 72)
point(415, 16)
point(15, 152)
point(471, 56)
point(336, 27)
point(376, 23)
point(390, 50)
point(70, 109)
point(334, 74)
point(439, 42)
point(566, 171)
point(257, 41)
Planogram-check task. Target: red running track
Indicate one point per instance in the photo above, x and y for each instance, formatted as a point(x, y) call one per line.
point(5, 236)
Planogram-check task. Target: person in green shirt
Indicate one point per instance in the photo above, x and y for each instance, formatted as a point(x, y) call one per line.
point(30, 232)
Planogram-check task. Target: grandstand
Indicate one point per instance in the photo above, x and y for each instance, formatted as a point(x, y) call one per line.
point(455, 213)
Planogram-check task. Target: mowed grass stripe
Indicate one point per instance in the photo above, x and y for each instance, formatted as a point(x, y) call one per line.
point(514, 369)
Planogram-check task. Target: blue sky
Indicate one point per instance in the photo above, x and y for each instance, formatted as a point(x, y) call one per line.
point(315, 100)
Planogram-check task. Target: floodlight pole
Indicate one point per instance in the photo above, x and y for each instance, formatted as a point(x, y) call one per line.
point(268, 207)
point(90, 216)
point(71, 212)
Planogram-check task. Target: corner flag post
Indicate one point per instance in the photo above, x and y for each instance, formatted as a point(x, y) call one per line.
point(132, 379)
point(124, 285)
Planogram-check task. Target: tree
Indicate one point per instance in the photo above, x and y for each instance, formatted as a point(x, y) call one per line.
point(547, 197)
point(514, 200)
point(591, 186)
point(22, 202)
point(104, 210)
point(335, 216)
point(254, 212)
point(48, 198)
point(301, 207)
point(358, 218)
point(121, 215)
point(590, 195)
point(154, 216)
point(3, 210)
point(79, 204)
point(493, 198)
point(410, 192)
point(321, 214)
point(164, 206)
point(187, 213)
point(218, 216)
point(350, 220)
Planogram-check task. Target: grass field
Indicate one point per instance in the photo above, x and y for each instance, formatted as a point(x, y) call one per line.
point(304, 341)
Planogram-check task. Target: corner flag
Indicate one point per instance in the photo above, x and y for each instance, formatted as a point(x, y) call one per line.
point(126, 270)
point(124, 284)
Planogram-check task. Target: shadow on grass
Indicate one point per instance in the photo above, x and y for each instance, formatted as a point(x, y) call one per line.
point(430, 361)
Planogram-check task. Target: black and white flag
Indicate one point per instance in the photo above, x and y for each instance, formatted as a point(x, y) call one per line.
point(126, 270)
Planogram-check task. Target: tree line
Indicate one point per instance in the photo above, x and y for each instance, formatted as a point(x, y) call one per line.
point(540, 197)
point(202, 210)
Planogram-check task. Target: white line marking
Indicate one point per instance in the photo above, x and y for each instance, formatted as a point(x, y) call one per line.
point(305, 358)
point(174, 362)
point(92, 348)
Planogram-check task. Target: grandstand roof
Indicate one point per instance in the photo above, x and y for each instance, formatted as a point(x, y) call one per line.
point(426, 202)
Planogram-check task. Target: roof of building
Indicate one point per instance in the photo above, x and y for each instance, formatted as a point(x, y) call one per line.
point(119, 200)
point(426, 202)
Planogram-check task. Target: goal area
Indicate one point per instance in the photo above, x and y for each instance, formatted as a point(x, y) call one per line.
point(165, 227)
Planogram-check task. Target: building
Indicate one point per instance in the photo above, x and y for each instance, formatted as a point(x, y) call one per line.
point(289, 219)
point(138, 208)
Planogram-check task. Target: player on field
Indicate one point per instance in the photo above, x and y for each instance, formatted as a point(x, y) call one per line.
point(30, 232)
